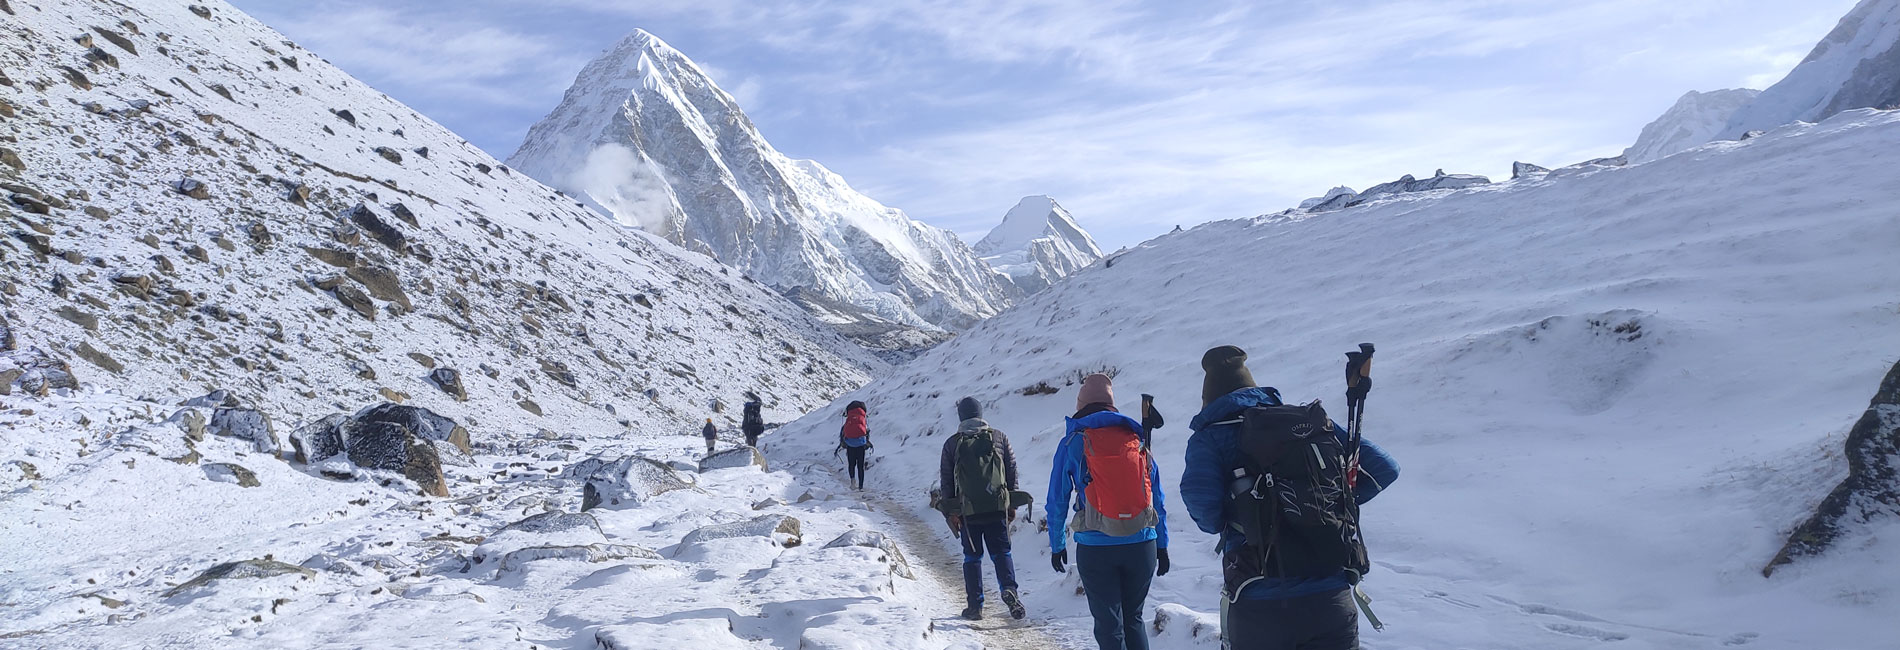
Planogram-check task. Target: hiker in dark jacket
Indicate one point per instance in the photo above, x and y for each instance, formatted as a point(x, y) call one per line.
point(1118, 559)
point(855, 439)
point(979, 530)
point(712, 435)
point(753, 424)
point(1270, 613)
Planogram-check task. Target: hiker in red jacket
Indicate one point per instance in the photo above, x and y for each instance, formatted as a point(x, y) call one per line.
point(855, 439)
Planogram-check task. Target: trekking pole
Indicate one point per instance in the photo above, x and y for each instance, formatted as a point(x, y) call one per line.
point(1358, 385)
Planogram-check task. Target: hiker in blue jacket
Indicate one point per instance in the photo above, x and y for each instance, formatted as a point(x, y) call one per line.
point(1270, 613)
point(1117, 556)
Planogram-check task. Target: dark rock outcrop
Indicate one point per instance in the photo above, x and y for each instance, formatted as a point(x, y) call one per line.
point(391, 446)
point(450, 381)
point(1872, 487)
point(1522, 169)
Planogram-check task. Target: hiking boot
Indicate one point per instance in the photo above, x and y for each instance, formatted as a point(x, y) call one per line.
point(973, 612)
point(1015, 605)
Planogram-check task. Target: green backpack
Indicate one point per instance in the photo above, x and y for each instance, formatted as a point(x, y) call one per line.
point(981, 486)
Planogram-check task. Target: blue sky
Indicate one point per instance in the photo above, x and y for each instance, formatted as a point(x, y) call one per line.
point(1137, 116)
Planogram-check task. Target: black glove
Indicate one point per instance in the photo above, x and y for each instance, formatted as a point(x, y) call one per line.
point(956, 524)
point(1161, 561)
point(868, 447)
point(1059, 559)
point(1151, 420)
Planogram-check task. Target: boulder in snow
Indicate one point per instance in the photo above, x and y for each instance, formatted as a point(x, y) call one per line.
point(392, 446)
point(783, 530)
point(245, 424)
point(627, 482)
point(740, 456)
point(241, 570)
point(877, 540)
point(1872, 487)
point(514, 560)
point(231, 473)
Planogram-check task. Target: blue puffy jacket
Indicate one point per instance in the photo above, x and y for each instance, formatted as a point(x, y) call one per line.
point(1212, 455)
point(1071, 474)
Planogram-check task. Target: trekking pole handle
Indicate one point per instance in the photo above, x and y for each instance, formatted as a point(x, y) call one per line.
point(1359, 372)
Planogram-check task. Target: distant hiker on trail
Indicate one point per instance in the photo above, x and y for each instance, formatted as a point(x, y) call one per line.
point(1289, 582)
point(855, 439)
point(978, 487)
point(712, 435)
point(754, 423)
point(1120, 521)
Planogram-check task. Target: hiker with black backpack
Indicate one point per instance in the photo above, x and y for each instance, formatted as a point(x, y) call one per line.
point(753, 423)
point(1120, 520)
point(979, 500)
point(854, 438)
point(1281, 484)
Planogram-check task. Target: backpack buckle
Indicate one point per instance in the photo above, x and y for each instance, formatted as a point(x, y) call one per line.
point(1263, 478)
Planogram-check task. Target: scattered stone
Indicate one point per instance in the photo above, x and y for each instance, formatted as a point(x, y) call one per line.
point(298, 194)
point(35, 242)
point(384, 233)
point(558, 372)
point(556, 521)
point(241, 570)
point(11, 158)
point(877, 540)
point(355, 299)
point(450, 381)
point(741, 456)
point(381, 283)
point(97, 212)
point(423, 360)
point(626, 482)
point(402, 212)
point(529, 406)
point(118, 39)
point(97, 358)
point(514, 560)
point(76, 78)
point(422, 151)
point(193, 188)
point(389, 154)
point(344, 115)
point(100, 58)
point(392, 395)
point(77, 317)
point(245, 424)
point(319, 440)
point(783, 529)
point(231, 473)
point(332, 256)
point(201, 10)
point(31, 204)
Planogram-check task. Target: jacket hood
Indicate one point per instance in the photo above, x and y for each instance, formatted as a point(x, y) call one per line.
point(1102, 420)
point(972, 424)
point(1230, 405)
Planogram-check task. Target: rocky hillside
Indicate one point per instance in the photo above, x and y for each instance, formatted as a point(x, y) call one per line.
point(645, 135)
point(1857, 65)
point(1695, 119)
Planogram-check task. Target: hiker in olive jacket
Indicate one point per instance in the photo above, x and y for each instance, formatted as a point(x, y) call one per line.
point(985, 529)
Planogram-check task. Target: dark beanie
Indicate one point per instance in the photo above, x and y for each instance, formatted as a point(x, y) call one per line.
point(968, 409)
point(1226, 368)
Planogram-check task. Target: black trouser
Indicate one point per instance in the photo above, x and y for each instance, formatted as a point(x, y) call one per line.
point(1315, 622)
point(752, 438)
point(986, 530)
point(1116, 579)
point(854, 464)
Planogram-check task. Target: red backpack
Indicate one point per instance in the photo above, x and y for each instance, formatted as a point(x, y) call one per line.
point(1118, 492)
point(855, 425)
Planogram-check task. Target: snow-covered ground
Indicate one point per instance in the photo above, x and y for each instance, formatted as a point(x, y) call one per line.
point(102, 556)
point(1613, 391)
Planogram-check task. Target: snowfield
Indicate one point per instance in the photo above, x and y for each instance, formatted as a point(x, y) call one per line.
point(1612, 392)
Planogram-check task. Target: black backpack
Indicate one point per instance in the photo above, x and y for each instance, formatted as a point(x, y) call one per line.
point(1292, 499)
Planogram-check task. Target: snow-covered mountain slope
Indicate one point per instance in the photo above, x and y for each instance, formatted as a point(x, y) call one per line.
point(1612, 391)
point(1037, 244)
point(1856, 66)
point(193, 202)
point(1696, 118)
point(647, 137)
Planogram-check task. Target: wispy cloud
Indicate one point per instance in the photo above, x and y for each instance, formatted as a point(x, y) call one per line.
point(1137, 114)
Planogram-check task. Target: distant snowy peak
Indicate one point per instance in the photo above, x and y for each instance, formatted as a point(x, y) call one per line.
point(1856, 66)
point(1038, 243)
point(1695, 119)
point(645, 135)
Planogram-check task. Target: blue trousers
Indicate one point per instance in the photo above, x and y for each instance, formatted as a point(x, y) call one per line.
point(980, 531)
point(1116, 579)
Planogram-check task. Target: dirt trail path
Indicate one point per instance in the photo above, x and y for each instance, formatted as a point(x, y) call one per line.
point(942, 572)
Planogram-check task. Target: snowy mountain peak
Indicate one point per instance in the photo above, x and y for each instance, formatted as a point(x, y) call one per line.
point(1856, 66)
point(1037, 243)
point(646, 136)
point(1695, 119)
